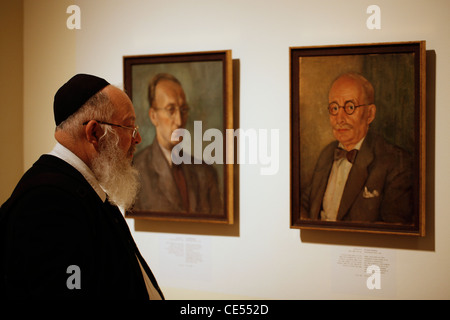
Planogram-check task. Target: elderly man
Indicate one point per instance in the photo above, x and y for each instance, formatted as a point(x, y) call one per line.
point(62, 234)
point(167, 187)
point(360, 177)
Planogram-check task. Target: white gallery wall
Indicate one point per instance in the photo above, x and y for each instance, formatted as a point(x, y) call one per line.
point(260, 256)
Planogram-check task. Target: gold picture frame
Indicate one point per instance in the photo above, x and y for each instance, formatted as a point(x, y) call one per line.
point(206, 82)
point(386, 193)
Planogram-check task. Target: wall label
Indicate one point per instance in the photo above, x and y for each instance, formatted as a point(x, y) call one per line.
point(363, 271)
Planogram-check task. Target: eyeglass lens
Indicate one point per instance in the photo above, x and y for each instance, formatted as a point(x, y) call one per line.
point(349, 108)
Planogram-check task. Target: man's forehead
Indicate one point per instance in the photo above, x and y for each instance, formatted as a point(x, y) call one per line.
point(346, 88)
point(123, 107)
point(166, 86)
point(169, 93)
point(126, 112)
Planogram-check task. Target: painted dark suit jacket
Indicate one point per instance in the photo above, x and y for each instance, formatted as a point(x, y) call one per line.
point(55, 219)
point(159, 192)
point(379, 185)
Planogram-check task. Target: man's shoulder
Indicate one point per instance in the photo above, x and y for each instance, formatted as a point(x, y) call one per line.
point(382, 147)
point(50, 171)
point(145, 152)
point(59, 201)
point(146, 155)
point(52, 180)
point(327, 152)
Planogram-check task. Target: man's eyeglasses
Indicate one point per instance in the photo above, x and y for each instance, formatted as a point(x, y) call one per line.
point(135, 129)
point(349, 107)
point(171, 110)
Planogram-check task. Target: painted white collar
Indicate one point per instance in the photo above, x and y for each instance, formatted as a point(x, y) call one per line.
point(357, 146)
point(167, 154)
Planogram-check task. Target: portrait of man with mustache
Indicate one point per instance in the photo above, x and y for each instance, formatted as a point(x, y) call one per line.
point(359, 177)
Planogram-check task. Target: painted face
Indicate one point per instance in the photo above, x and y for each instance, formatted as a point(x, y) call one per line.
point(170, 112)
point(349, 129)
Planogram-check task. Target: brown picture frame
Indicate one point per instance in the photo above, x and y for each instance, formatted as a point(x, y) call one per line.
point(397, 73)
point(206, 79)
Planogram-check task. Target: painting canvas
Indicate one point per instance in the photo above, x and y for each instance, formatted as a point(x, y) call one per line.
point(367, 97)
point(189, 93)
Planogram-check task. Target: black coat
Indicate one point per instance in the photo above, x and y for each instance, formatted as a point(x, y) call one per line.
point(53, 220)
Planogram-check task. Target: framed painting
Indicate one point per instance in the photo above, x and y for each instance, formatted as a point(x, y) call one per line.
point(358, 138)
point(183, 105)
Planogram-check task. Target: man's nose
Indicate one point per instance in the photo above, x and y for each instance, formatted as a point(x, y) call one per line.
point(138, 138)
point(341, 116)
point(177, 118)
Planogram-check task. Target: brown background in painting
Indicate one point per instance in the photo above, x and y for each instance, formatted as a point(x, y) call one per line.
point(392, 76)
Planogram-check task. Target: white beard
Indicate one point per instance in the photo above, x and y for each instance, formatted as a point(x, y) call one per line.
point(115, 172)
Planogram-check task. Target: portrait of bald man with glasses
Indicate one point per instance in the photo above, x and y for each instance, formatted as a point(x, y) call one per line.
point(167, 187)
point(359, 177)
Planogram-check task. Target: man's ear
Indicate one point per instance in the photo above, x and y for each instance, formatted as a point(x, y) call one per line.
point(372, 112)
point(93, 132)
point(152, 116)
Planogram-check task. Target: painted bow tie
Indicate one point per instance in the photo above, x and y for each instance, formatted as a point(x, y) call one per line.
point(340, 153)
